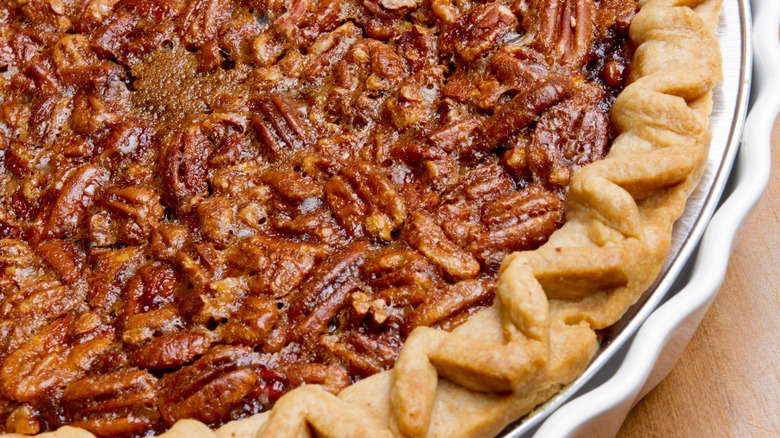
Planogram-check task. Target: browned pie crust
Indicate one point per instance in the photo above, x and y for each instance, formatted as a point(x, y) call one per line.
point(540, 332)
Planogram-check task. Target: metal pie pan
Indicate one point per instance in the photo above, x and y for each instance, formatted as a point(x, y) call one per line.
point(726, 124)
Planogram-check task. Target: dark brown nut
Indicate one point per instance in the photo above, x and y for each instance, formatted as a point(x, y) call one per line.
point(23, 421)
point(449, 137)
point(330, 273)
point(387, 67)
point(516, 222)
point(222, 380)
point(128, 139)
point(290, 20)
point(317, 224)
point(73, 53)
point(346, 205)
point(184, 172)
point(141, 327)
point(69, 210)
point(44, 300)
point(94, 11)
point(108, 38)
point(564, 30)
point(360, 354)
point(218, 300)
point(266, 49)
point(292, 186)
point(237, 36)
point(41, 70)
point(412, 295)
point(201, 21)
point(401, 277)
point(418, 47)
point(236, 179)
point(569, 135)
point(252, 324)
point(517, 207)
point(48, 360)
point(484, 183)
point(415, 102)
point(281, 127)
point(445, 11)
point(115, 404)
point(20, 158)
point(113, 268)
point(615, 14)
point(171, 351)
point(275, 266)
point(138, 211)
point(90, 115)
point(388, 210)
point(310, 325)
point(519, 112)
point(477, 32)
point(15, 253)
point(168, 240)
point(332, 378)
point(519, 67)
point(330, 49)
point(425, 235)
point(449, 301)
point(66, 260)
point(201, 263)
point(398, 4)
point(216, 216)
point(415, 153)
point(476, 87)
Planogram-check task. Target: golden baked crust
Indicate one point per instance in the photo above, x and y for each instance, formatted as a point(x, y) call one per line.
point(539, 334)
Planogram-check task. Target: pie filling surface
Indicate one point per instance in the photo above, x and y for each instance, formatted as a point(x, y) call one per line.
point(204, 204)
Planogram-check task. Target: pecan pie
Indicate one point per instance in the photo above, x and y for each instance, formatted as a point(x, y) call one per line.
point(354, 217)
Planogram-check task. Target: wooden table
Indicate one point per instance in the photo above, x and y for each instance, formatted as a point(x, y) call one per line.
point(727, 382)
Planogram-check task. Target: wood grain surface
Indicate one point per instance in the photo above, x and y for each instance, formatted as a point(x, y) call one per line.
point(727, 382)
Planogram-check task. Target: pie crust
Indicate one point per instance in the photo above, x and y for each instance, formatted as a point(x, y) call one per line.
point(540, 332)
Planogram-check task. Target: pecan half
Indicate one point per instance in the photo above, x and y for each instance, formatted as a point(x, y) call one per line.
point(280, 127)
point(519, 112)
point(346, 205)
point(565, 30)
point(569, 135)
point(328, 277)
point(423, 233)
point(447, 302)
point(222, 381)
point(275, 267)
point(113, 268)
point(388, 210)
point(135, 213)
point(115, 404)
point(475, 33)
point(184, 170)
point(416, 98)
point(65, 258)
point(362, 355)
point(330, 49)
point(400, 276)
point(49, 360)
point(331, 377)
point(70, 209)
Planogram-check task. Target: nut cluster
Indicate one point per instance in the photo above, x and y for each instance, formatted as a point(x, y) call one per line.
point(204, 204)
